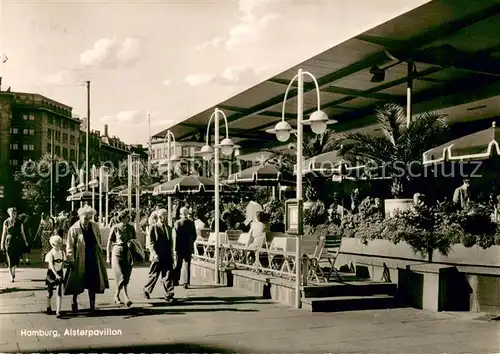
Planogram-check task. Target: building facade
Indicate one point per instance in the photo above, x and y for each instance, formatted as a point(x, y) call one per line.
point(30, 126)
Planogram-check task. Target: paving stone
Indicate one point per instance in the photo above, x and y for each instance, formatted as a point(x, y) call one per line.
point(230, 319)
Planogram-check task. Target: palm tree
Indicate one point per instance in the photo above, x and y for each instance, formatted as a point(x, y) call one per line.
point(399, 147)
point(314, 145)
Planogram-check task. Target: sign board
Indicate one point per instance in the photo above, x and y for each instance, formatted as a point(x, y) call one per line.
point(294, 220)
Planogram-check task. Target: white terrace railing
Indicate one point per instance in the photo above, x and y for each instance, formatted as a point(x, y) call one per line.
point(273, 254)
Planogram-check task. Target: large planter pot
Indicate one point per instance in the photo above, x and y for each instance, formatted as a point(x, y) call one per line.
point(392, 206)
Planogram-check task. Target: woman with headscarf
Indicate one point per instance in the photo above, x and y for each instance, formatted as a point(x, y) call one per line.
point(119, 255)
point(88, 269)
point(13, 241)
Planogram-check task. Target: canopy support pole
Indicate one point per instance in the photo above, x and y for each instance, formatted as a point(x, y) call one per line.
point(409, 89)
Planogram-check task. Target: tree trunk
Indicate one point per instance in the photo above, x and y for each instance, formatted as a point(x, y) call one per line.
point(430, 253)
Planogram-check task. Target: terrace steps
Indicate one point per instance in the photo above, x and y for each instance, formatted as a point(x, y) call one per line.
point(349, 294)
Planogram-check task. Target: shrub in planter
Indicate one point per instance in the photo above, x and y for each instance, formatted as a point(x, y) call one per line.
point(275, 210)
point(364, 222)
point(316, 214)
point(423, 229)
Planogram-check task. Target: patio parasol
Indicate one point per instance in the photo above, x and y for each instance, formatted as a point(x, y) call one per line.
point(331, 162)
point(85, 195)
point(186, 184)
point(477, 146)
point(144, 190)
point(263, 174)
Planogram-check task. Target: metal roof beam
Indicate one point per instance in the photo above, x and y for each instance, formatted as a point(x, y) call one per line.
point(448, 57)
point(360, 93)
point(381, 41)
point(441, 31)
point(449, 95)
point(384, 86)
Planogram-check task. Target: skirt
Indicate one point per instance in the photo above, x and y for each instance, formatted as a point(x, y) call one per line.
point(51, 280)
point(121, 264)
point(14, 250)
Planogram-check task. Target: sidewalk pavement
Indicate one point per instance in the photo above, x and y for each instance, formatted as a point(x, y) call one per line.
point(219, 319)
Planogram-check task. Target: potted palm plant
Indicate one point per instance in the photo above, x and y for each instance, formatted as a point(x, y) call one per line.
point(398, 151)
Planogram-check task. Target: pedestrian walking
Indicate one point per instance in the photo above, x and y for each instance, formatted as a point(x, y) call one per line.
point(45, 232)
point(162, 258)
point(13, 241)
point(185, 236)
point(119, 255)
point(88, 269)
point(55, 274)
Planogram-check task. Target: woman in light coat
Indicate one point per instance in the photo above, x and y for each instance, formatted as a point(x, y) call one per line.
point(88, 268)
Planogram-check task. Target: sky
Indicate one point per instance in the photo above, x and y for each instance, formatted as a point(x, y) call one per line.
point(168, 59)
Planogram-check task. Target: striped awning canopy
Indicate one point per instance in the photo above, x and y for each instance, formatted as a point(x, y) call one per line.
point(481, 145)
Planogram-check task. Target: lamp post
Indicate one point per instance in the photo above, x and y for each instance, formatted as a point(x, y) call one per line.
point(226, 146)
point(170, 157)
point(72, 190)
point(93, 184)
point(318, 122)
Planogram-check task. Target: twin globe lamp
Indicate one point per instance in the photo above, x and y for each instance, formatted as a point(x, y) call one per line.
point(318, 122)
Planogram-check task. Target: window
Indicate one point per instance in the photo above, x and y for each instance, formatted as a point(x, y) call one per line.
point(25, 117)
point(49, 147)
point(14, 162)
point(14, 130)
point(25, 147)
point(65, 153)
point(72, 154)
point(25, 131)
point(32, 116)
point(50, 119)
point(58, 136)
point(14, 146)
point(185, 152)
point(65, 138)
point(32, 147)
point(32, 131)
point(65, 125)
point(49, 133)
point(72, 139)
point(58, 150)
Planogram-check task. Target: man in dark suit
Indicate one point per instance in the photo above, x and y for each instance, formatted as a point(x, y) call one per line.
point(161, 257)
point(185, 236)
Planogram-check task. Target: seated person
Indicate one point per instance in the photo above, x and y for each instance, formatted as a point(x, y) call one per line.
point(257, 228)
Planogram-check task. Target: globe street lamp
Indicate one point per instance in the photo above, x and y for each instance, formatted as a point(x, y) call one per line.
point(171, 157)
point(226, 146)
point(318, 122)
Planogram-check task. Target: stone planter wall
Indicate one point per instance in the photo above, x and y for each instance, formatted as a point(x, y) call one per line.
point(472, 273)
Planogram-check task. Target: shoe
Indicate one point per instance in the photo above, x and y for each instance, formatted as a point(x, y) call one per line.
point(58, 315)
point(170, 300)
point(117, 301)
point(49, 311)
point(146, 295)
point(185, 286)
point(128, 303)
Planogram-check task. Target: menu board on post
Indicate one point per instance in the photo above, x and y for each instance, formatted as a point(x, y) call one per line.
point(294, 217)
